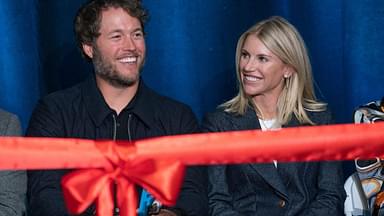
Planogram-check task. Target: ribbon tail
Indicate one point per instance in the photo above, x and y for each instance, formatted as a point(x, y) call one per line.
point(104, 203)
point(164, 183)
point(127, 197)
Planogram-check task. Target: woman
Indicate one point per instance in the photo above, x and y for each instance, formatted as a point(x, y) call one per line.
point(13, 184)
point(275, 91)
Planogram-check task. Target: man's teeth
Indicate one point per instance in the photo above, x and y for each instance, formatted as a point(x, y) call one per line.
point(251, 78)
point(128, 60)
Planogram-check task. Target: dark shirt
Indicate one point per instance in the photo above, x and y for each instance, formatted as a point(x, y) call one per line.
point(81, 112)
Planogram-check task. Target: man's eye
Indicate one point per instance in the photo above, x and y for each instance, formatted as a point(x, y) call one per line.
point(138, 35)
point(115, 37)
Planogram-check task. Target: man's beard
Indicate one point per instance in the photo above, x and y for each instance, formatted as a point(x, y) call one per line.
point(108, 72)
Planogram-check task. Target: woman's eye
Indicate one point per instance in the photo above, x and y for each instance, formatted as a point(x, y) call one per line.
point(244, 55)
point(263, 59)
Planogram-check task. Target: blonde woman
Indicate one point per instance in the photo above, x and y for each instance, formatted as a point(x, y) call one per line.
point(275, 91)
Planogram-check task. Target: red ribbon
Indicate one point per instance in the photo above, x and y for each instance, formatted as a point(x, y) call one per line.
point(155, 164)
point(160, 178)
point(309, 143)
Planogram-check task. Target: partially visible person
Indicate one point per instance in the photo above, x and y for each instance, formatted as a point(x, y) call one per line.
point(13, 184)
point(370, 113)
point(113, 103)
point(275, 91)
point(365, 187)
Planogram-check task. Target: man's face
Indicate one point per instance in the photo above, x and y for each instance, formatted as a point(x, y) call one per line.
point(118, 53)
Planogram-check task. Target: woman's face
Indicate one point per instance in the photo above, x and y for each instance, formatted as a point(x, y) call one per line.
point(262, 72)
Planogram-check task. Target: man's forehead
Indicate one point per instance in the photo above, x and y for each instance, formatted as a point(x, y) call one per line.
point(112, 18)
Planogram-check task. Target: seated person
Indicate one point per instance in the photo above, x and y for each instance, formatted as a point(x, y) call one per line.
point(365, 192)
point(275, 91)
point(13, 184)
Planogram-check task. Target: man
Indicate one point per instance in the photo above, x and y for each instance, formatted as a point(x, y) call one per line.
point(113, 104)
point(13, 184)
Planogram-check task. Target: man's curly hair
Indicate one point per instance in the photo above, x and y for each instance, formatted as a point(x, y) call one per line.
point(88, 18)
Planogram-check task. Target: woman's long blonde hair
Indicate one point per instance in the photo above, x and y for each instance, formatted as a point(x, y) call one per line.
point(298, 95)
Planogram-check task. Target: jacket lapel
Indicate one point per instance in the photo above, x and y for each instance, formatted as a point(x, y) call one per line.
point(267, 171)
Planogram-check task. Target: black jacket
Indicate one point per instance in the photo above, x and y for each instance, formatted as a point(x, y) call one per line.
point(291, 189)
point(81, 112)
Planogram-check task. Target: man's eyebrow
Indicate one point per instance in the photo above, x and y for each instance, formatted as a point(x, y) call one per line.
point(138, 29)
point(115, 31)
point(121, 31)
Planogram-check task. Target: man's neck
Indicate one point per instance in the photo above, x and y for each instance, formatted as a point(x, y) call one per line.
point(116, 98)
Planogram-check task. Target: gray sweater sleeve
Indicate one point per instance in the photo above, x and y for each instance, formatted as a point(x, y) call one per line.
point(13, 184)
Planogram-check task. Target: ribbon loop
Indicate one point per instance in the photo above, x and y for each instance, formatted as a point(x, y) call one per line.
point(83, 187)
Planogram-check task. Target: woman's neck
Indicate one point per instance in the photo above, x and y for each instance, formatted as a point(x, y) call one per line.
point(267, 107)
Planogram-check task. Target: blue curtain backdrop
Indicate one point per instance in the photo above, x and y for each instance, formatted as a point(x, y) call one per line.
point(191, 47)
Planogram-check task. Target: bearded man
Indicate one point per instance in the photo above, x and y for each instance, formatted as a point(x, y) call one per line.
point(114, 103)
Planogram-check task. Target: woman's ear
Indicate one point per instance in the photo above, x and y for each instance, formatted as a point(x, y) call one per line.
point(88, 50)
point(288, 71)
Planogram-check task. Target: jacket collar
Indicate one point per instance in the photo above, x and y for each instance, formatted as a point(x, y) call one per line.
point(249, 121)
point(141, 105)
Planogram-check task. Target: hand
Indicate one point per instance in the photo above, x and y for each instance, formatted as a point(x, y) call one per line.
point(165, 212)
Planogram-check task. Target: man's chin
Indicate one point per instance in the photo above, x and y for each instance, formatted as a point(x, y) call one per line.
point(119, 82)
point(123, 83)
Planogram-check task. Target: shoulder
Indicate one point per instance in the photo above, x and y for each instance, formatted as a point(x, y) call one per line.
point(52, 110)
point(219, 115)
point(63, 97)
point(9, 124)
point(220, 120)
point(59, 102)
point(175, 116)
point(321, 117)
point(4, 115)
point(164, 104)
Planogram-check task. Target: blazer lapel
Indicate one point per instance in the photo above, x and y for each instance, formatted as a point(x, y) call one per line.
point(267, 171)
point(270, 174)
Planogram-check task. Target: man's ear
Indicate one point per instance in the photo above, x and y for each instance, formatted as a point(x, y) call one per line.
point(88, 50)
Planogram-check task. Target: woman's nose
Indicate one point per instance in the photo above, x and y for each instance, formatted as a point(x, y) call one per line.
point(251, 65)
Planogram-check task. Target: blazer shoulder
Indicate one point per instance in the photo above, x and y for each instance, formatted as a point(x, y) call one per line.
point(219, 120)
point(322, 117)
point(9, 124)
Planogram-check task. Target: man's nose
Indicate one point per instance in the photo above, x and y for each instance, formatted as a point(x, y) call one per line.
point(129, 43)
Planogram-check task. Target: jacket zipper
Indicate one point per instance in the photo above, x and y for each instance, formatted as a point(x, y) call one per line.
point(116, 209)
point(114, 127)
point(129, 128)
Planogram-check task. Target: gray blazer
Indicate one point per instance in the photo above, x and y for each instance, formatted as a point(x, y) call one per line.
point(13, 184)
point(291, 189)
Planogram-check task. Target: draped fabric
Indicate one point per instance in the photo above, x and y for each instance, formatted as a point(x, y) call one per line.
point(20, 69)
point(191, 48)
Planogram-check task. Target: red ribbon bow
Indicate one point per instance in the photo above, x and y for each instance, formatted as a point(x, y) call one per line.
point(160, 178)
